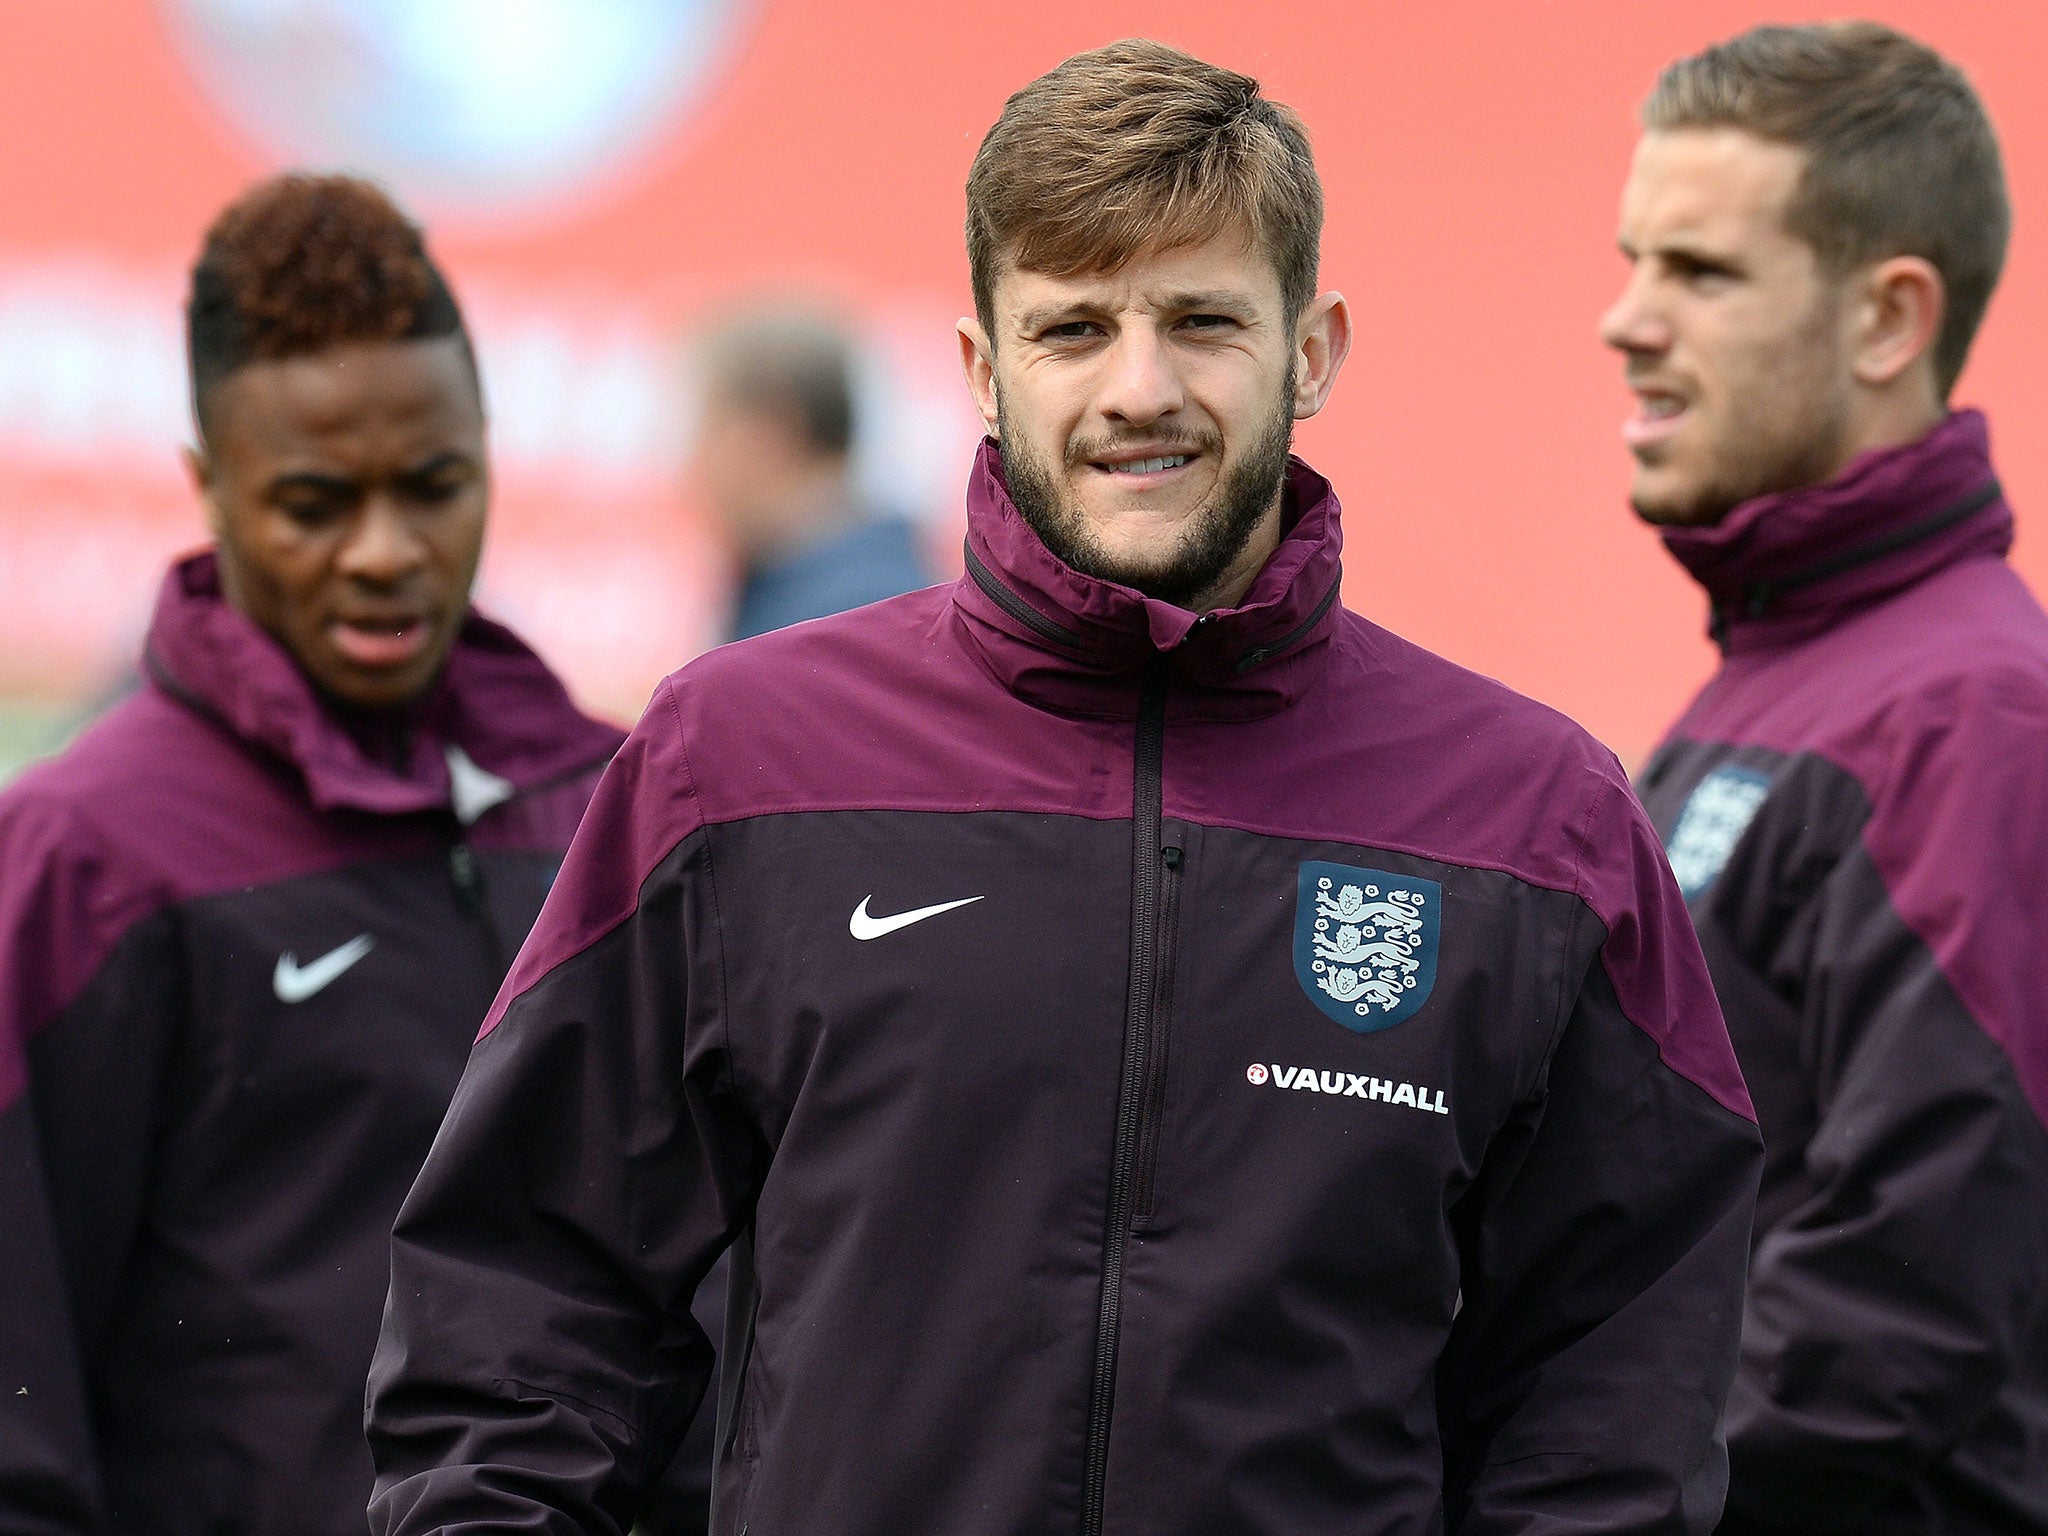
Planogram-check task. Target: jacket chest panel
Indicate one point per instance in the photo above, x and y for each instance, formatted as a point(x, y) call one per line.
point(1284, 1101)
point(907, 971)
point(348, 998)
point(1755, 838)
point(923, 964)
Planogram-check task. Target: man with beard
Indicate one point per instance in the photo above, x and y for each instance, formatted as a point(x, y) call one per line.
point(251, 920)
point(1168, 1054)
point(1856, 806)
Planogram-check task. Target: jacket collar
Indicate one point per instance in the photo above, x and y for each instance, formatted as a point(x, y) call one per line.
point(1082, 645)
point(1781, 568)
point(496, 703)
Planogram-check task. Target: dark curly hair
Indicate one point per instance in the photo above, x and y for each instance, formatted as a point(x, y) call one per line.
point(300, 263)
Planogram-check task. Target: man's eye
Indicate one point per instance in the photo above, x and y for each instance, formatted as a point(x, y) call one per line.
point(436, 493)
point(1073, 330)
point(1208, 322)
point(311, 512)
point(1692, 271)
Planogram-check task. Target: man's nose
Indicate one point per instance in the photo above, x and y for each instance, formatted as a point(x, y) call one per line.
point(384, 547)
point(1143, 383)
point(1632, 323)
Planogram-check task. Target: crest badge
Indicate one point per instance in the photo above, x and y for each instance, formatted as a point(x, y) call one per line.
point(1365, 943)
point(1716, 815)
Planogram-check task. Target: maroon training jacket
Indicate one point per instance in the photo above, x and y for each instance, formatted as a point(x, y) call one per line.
point(1164, 1074)
point(1857, 809)
point(244, 948)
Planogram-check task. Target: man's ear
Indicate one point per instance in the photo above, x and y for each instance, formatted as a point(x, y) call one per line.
point(1898, 320)
point(200, 469)
point(978, 362)
point(1322, 340)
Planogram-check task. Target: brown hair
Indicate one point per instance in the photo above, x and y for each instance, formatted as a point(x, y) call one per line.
point(301, 263)
point(1900, 157)
point(788, 364)
point(1138, 147)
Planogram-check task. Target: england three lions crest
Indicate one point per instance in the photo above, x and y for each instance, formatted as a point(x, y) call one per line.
point(1365, 943)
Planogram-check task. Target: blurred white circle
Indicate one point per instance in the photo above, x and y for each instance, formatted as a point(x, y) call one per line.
point(490, 107)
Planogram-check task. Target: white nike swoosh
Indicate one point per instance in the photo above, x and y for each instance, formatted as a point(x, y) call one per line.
point(861, 926)
point(294, 983)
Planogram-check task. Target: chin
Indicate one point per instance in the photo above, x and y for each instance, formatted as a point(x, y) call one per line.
point(386, 691)
point(1671, 511)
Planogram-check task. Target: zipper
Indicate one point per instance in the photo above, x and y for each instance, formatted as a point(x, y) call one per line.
point(1015, 606)
point(1760, 595)
point(467, 876)
point(1259, 655)
point(1152, 1106)
point(1146, 868)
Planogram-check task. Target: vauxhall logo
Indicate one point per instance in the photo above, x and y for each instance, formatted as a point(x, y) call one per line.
point(1348, 1085)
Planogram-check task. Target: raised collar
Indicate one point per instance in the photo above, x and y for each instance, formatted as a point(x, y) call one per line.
point(1081, 645)
point(496, 705)
point(1780, 568)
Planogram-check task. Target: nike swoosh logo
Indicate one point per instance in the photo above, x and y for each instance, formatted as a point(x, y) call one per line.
point(864, 927)
point(294, 983)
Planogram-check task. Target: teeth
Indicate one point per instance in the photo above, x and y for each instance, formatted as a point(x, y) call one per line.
point(1149, 466)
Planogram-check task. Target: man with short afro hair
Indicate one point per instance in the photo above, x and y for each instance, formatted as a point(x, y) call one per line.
point(251, 920)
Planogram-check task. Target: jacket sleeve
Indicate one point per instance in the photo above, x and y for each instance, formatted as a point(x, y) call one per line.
point(1605, 1237)
point(86, 1025)
point(1888, 1305)
point(539, 1361)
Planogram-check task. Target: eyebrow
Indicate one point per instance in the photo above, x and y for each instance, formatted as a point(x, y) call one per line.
point(1684, 246)
point(451, 458)
point(311, 480)
point(344, 485)
point(1213, 301)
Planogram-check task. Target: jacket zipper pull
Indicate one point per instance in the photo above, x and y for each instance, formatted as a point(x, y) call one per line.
point(469, 884)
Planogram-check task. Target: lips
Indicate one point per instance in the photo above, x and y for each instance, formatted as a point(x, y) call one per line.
point(1145, 466)
point(380, 642)
point(1658, 415)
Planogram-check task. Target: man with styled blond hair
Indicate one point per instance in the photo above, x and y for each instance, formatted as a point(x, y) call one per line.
point(1167, 1055)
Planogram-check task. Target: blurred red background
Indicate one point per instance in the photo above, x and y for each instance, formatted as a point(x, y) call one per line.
point(1472, 154)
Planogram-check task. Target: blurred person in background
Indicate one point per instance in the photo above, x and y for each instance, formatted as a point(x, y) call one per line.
point(1856, 805)
point(773, 462)
point(251, 920)
point(1167, 1054)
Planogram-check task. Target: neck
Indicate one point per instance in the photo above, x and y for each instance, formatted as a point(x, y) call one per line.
point(806, 507)
point(1889, 420)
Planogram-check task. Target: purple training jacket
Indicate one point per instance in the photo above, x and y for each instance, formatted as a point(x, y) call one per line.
point(1857, 808)
point(1165, 1074)
point(244, 947)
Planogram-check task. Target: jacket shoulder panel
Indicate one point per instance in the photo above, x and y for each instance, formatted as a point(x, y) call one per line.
point(203, 811)
point(1934, 706)
point(67, 896)
point(643, 808)
point(1399, 748)
point(885, 708)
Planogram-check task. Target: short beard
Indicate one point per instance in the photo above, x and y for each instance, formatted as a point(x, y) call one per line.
point(1773, 460)
point(1783, 436)
point(1211, 540)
